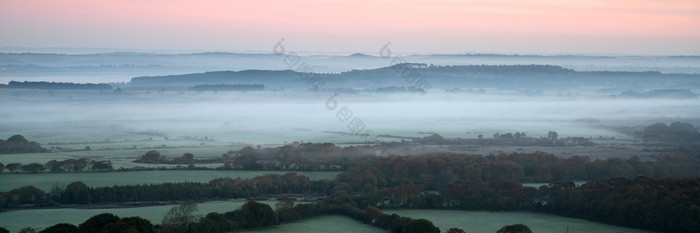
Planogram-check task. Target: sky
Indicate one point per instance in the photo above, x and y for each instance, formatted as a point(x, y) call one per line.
point(635, 27)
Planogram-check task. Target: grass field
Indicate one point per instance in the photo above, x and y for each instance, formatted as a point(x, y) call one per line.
point(480, 221)
point(332, 223)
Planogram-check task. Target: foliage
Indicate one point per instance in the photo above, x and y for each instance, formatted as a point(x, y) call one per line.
point(461, 181)
point(18, 144)
point(152, 156)
point(26, 195)
point(76, 193)
point(110, 223)
point(180, 216)
point(676, 133)
point(258, 215)
point(515, 228)
point(27, 230)
point(669, 205)
point(68, 165)
point(139, 224)
point(61, 228)
point(421, 226)
point(298, 156)
point(97, 222)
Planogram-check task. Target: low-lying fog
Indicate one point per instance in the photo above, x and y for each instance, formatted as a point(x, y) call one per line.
point(278, 117)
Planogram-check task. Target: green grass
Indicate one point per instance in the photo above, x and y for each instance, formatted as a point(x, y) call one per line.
point(480, 221)
point(331, 223)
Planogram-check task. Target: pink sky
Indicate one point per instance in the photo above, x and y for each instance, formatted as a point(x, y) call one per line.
point(440, 26)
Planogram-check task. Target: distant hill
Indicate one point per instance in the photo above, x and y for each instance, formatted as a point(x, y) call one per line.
point(266, 77)
point(536, 77)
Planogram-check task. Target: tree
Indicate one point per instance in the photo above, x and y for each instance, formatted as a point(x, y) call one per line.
point(102, 165)
point(507, 136)
point(117, 227)
point(455, 230)
point(17, 139)
point(152, 156)
point(2, 167)
point(61, 228)
point(76, 193)
point(284, 203)
point(32, 168)
point(12, 167)
point(515, 228)
point(26, 195)
point(371, 214)
point(139, 224)
point(4, 230)
point(27, 230)
point(56, 192)
point(258, 214)
point(246, 161)
point(421, 226)
point(180, 216)
point(186, 158)
point(399, 224)
point(97, 222)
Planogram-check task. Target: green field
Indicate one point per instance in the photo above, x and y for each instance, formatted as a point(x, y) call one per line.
point(332, 223)
point(45, 181)
point(469, 221)
point(480, 221)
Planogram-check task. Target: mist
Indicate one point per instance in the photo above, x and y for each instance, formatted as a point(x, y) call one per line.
point(275, 117)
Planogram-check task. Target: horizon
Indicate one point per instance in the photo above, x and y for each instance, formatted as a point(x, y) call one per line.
point(91, 51)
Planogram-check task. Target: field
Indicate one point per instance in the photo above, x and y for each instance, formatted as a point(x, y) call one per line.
point(469, 221)
point(332, 223)
point(45, 181)
point(479, 221)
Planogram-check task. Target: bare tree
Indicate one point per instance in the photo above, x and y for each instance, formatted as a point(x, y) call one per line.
point(180, 216)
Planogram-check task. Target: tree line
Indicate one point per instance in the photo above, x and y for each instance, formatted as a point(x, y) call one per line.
point(67, 165)
point(666, 204)
point(220, 188)
point(56, 85)
point(228, 87)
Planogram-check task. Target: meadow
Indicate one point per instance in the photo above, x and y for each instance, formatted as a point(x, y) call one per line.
point(330, 223)
point(481, 221)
